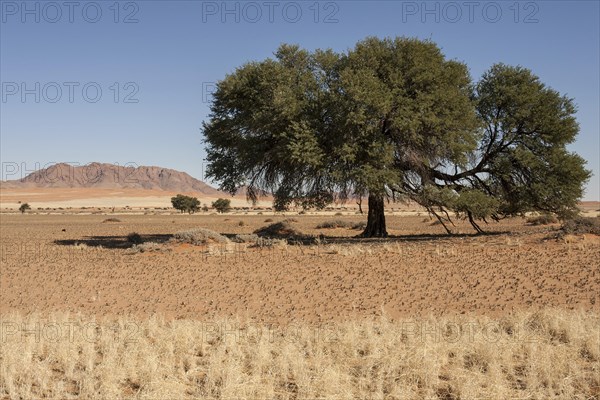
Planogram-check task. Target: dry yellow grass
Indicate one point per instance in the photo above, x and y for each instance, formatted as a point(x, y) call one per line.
point(545, 354)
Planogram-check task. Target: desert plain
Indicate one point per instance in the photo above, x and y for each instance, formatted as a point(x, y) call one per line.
point(88, 313)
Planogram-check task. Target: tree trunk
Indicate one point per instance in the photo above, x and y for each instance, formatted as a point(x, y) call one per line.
point(376, 218)
point(474, 224)
point(359, 202)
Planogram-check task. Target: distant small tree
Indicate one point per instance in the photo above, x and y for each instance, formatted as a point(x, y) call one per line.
point(222, 205)
point(24, 207)
point(178, 202)
point(185, 203)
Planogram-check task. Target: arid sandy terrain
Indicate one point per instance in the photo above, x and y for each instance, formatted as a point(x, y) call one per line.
point(104, 198)
point(60, 270)
point(86, 268)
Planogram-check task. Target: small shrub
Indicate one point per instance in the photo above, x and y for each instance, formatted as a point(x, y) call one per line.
point(246, 238)
point(338, 214)
point(146, 248)
point(269, 220)
point(199, 236)
point(580, 226)
point(543, 219)
point(280, 230)
point(241, 223)
point(111, 220)
point(135, 238)
point(333, 224)
point(269, 242)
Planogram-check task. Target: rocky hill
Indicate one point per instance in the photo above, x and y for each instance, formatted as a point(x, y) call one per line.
point(111, 176)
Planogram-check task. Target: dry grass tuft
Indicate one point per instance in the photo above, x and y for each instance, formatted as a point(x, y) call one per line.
point(111, 220)
point(580, 226)
point(333, 224)
point(359, 225)
point(147, 247)
point(199, 236)
point(543, 219)
point(271, 243)
point(281, 230)
point(544, 354)
point(246, 238)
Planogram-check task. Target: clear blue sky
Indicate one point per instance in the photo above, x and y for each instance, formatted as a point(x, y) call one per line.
point(177, 49)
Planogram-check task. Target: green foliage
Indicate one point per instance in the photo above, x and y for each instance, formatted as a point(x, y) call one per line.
point(185, 203)
point(24, 207)
point(524, 161)
point(394, 117)
point(474, 202)
point(222, 205)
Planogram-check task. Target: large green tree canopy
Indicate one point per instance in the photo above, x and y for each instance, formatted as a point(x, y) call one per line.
point(394, 118)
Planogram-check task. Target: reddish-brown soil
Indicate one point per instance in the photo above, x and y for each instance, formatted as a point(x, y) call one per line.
point(79, 263)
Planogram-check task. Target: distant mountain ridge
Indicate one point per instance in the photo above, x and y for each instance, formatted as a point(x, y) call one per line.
point(111, 176)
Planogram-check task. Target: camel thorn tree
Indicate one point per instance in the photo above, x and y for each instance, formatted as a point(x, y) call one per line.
point(393, 118)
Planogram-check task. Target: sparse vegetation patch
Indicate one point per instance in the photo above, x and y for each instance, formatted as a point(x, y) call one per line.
point(542, 219)
point(281, 230)
point(336, 223)
point(111, 220)
point(359, 225)
point(147, 247)
point(199, 236)
point(246, 238)
point(580, 226)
